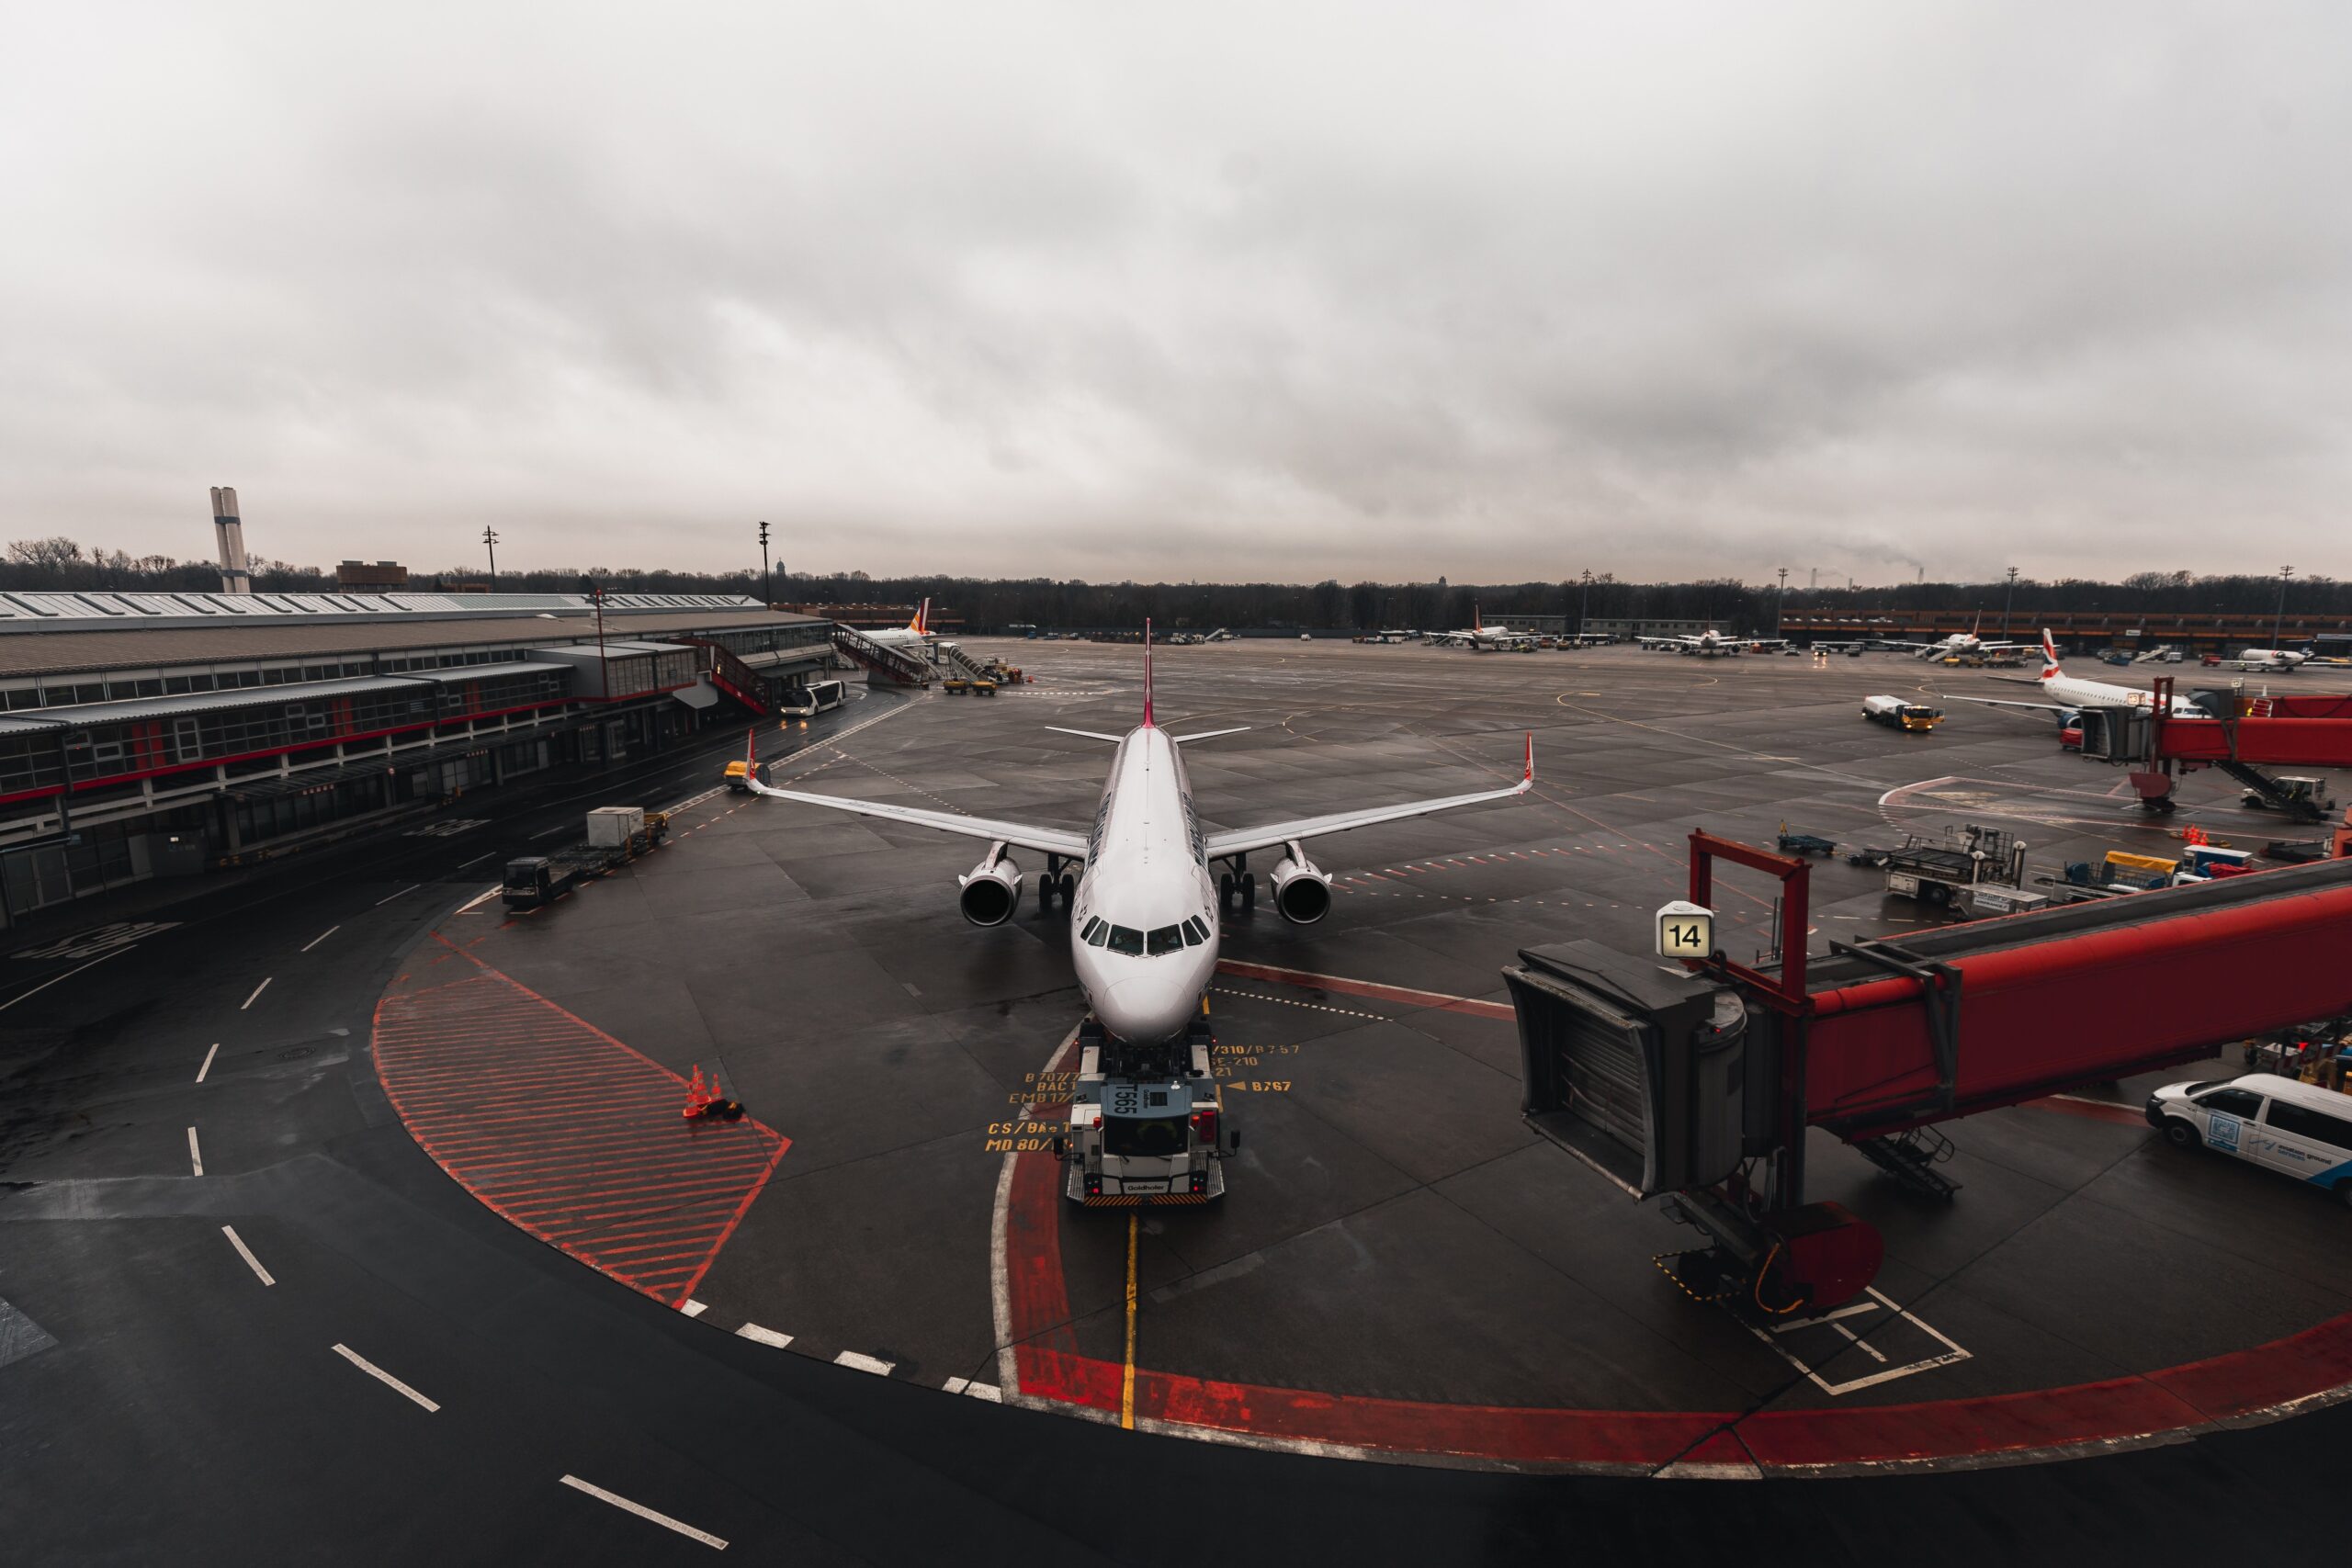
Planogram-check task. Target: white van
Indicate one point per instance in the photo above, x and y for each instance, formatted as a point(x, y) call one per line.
point(2299, 1128)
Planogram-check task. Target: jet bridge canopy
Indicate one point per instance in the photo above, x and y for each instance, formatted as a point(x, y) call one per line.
point(1634, 1074)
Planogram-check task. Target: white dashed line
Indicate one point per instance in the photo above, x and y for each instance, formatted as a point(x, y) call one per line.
point(208, 1061)
point(1311, 1007)
point(476, 861)
point(402, 894)
point(642, 1512)
point(195, 1155)
point(477, 899)
point(987, 1391)
point(381, 1376)
point(764, 1336)
point(45, 985)
point(247, 1254)
point(863, 1363)
point(320, 938)
point(257, 992)
point(694, 1308)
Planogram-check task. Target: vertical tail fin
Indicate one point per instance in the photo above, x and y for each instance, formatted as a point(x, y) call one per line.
point(1146, 671)
point(921, 624)
point(751, 752)
point(1476, 623)
point(2049, 654)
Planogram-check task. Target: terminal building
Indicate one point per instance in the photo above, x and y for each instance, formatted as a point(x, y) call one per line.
point(160, 734)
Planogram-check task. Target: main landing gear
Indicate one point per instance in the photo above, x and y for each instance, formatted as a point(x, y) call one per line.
point(1056, 883)
point(1236, 889)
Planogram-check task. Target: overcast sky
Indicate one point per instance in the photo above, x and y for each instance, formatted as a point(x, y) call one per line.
point(1498, 291)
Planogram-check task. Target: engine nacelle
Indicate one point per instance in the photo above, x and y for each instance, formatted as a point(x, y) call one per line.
point(992, 892)
point(1302, 891)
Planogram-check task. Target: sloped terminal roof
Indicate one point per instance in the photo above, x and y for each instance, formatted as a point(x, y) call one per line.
point(118, 638)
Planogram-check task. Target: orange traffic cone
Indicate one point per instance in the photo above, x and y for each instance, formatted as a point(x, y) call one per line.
point(696, 1095)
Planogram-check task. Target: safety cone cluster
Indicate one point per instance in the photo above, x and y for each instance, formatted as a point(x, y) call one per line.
point(706, 1103)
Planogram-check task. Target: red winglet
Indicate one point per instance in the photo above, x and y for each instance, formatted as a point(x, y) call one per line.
point(1146, 671)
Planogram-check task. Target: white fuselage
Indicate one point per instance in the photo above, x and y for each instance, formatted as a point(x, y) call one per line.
point(1146, 897)
point(2272, 658)
point(2072, 692)
point(896, 636)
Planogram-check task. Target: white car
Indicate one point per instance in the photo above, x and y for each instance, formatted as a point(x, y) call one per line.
point(2299, 1128)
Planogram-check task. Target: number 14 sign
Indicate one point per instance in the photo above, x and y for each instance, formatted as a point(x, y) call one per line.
point(1685, 929)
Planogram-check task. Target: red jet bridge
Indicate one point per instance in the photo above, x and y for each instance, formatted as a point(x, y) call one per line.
point(2295, 730)
point(1701, 1082)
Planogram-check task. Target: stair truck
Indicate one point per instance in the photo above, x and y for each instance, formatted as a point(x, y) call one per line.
point(1147, 1125)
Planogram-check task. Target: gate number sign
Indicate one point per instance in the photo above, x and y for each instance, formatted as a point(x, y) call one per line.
point(1685, 929)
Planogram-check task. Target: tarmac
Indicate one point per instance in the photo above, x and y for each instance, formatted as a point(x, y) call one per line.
point(270, 1288)
point(1401, 1269)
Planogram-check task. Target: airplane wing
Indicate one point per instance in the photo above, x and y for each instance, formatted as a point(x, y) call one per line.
point(1046, 840)
point(1238, 841)
point(2006, 703)
point(1664, 641)
point(1204, 735)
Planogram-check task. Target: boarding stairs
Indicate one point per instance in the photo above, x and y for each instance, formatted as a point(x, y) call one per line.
point(2296, 807)
point(959, 662)
point(730, 674)
point(881, 663)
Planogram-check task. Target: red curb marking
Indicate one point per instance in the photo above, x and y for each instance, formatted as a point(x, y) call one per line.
point(1346, 988)
point(2259, 1380)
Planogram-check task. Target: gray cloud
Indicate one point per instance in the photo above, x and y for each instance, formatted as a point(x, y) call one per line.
point(1495, 290)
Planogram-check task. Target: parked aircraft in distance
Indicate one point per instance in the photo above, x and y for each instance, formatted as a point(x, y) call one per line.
point(2268, 660)
point(1712, 644)
point(1959, 645)
point(1478, 635)
point(915, 633)
point(1144, 905)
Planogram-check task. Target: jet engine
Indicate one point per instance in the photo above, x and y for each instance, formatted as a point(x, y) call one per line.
point(1302, 890)
point(992, 891)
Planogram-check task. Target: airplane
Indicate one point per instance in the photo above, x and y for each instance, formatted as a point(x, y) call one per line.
point(1143, 907)
point(2072, 694)
point(1959, 645)
point(916, 633)
point(1478, 636)
point(2270, 661)
point(1710, 644)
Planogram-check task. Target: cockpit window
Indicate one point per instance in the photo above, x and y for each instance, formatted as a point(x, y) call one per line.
point(1096, 930)
point(1195, 931)
point(1167, 939)
point(1126, 940)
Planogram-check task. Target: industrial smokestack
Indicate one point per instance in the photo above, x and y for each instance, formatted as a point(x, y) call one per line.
point(236, 572)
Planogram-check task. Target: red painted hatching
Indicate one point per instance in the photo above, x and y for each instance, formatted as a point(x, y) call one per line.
point(562, 1130)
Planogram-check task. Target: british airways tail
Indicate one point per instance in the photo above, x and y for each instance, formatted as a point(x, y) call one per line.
point(2049, 655)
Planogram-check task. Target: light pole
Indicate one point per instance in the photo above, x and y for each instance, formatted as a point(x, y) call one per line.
point(490, 537)
point(2279, 621)
point(1781, 603)
point(1585, 603)
point(2008, 599)
point(767, 580)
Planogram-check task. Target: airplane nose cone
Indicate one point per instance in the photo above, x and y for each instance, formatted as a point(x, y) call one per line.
point(1141, 1009)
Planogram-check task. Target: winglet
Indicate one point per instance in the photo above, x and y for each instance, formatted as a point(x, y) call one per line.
point(751, 753)
point(1527, 778)
point(1146, 671)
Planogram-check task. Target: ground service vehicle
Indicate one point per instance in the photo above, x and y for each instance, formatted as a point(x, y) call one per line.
point(739, 775)
point(2297, 1129)
point(1915, 719)
point(1148, 1131)
point(616, 835)
point(1940, 873)
point(817, 696)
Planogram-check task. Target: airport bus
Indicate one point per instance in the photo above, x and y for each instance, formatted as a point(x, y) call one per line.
point(816, 698)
